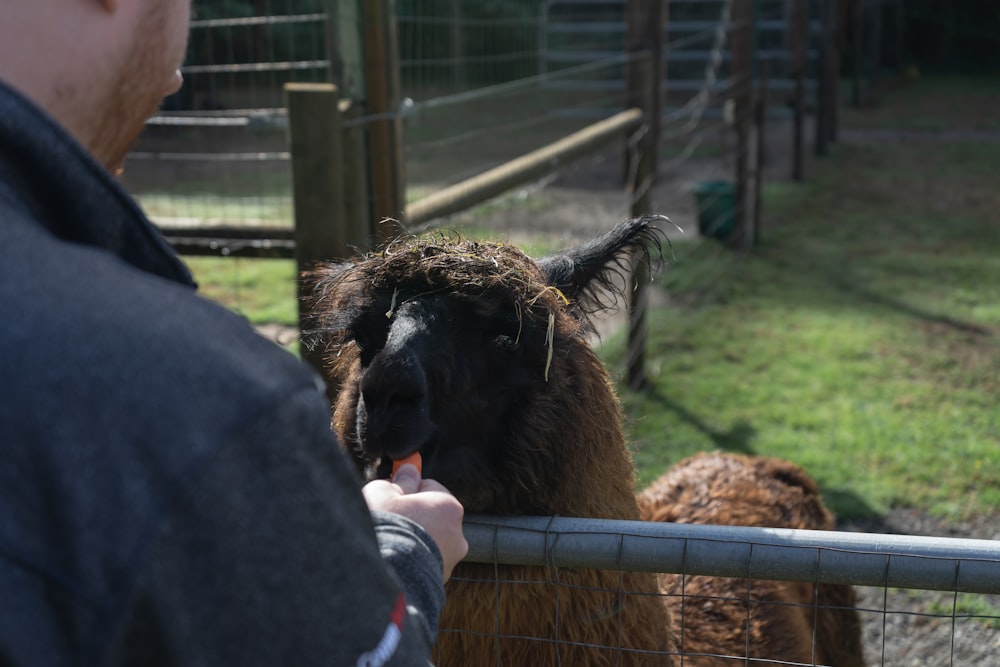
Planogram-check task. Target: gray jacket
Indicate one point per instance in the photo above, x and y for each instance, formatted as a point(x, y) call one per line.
point(170, 490)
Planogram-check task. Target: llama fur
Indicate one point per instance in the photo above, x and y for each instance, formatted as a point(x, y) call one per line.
point(477, 356)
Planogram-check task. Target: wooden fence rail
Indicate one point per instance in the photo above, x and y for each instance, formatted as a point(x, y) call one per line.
point(525, 169)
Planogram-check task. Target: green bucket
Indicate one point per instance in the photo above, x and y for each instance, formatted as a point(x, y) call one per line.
point(716, 208)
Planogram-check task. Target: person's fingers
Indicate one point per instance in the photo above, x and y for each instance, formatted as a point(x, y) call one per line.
point(379, 492)
point(428, 484)
point(407, 478)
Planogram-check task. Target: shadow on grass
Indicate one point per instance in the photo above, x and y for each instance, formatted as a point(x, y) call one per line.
point(824, 275)
point(845, 504)
point(894, 227)
point(849, 506)
point(901, 307)
point(736, 439)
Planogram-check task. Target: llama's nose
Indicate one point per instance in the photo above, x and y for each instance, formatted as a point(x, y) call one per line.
point(393, 383)
point(393, 416)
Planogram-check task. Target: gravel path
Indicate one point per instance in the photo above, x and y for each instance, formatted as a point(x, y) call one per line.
point(919, 630)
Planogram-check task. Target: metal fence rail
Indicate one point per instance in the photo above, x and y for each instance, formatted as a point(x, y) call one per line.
point(865, 559)
point(920, 601)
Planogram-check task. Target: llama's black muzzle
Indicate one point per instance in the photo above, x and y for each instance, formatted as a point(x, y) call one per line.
point(393, 414)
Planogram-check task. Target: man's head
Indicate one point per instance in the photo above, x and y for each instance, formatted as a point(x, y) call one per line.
point(99, 67)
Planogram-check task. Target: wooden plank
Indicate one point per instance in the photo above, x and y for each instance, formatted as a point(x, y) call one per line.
point(758, 181)
point(357, 231)
point(644, 43)
point(874, 61)
point(385, 130)
point(798, 57)
point(858, 19)
point(315, 138)
point(838, 15)
point(344, 50)
point(826, 86)
point(230, 247)
point(741, 45)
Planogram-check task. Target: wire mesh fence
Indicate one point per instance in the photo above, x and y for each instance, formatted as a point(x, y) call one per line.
point(481, 85)
point(719, 586)
point(217, 153)
point(575, 75)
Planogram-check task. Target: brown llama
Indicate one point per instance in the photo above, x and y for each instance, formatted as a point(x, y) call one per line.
point(735, 490)
point(477, 357)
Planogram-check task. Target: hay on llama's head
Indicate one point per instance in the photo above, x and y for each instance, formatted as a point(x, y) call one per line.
point(476, 356)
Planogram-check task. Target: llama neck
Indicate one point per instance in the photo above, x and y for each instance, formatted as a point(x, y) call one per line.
point(595, 474)
point(524, 615)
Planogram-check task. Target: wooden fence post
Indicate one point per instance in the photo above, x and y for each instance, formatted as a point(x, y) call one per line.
point(641, 189)
point(899, 47)
point(646, 25)
point(343, 47)
point(741, 44)
point(314, 135)
point(874, 44)
point(836, 55)
point(385, 134)
point(858, 19)
point(357, 232)
point(457, 46)
point(799, 44)
point(825, 85)
point(758, 176)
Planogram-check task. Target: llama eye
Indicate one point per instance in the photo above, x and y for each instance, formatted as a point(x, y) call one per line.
point(359, 338)
point(506, 343)
point(368, 339)
point(505, 331)
point(368, 352)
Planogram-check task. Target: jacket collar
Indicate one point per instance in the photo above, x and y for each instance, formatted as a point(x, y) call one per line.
point(55, 182)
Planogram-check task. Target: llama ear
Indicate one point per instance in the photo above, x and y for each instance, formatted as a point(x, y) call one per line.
point(327, 271)
point(321, 274)
point(593, 275)
point(320, 280)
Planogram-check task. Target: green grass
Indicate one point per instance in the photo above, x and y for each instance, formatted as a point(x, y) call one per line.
point(929, 103)
point(980, 608)
point(238, 193)
point(262, 290)
point(275, 211)
point(861, 339)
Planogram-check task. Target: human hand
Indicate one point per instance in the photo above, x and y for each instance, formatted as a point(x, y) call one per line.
point(428, 503)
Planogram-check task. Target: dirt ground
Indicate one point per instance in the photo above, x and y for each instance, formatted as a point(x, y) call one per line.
point(918, 629)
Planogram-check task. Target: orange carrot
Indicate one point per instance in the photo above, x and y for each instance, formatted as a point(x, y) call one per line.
point(413, 458)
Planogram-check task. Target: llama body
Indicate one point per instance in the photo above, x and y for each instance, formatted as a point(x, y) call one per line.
point(734, 490)
point(476, 356)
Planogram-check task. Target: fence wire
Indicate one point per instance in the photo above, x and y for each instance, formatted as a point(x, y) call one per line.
point(216, 153)
point(480, 87)
point(920, 600)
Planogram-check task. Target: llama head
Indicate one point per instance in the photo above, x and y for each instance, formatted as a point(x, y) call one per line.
point(476, 356)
